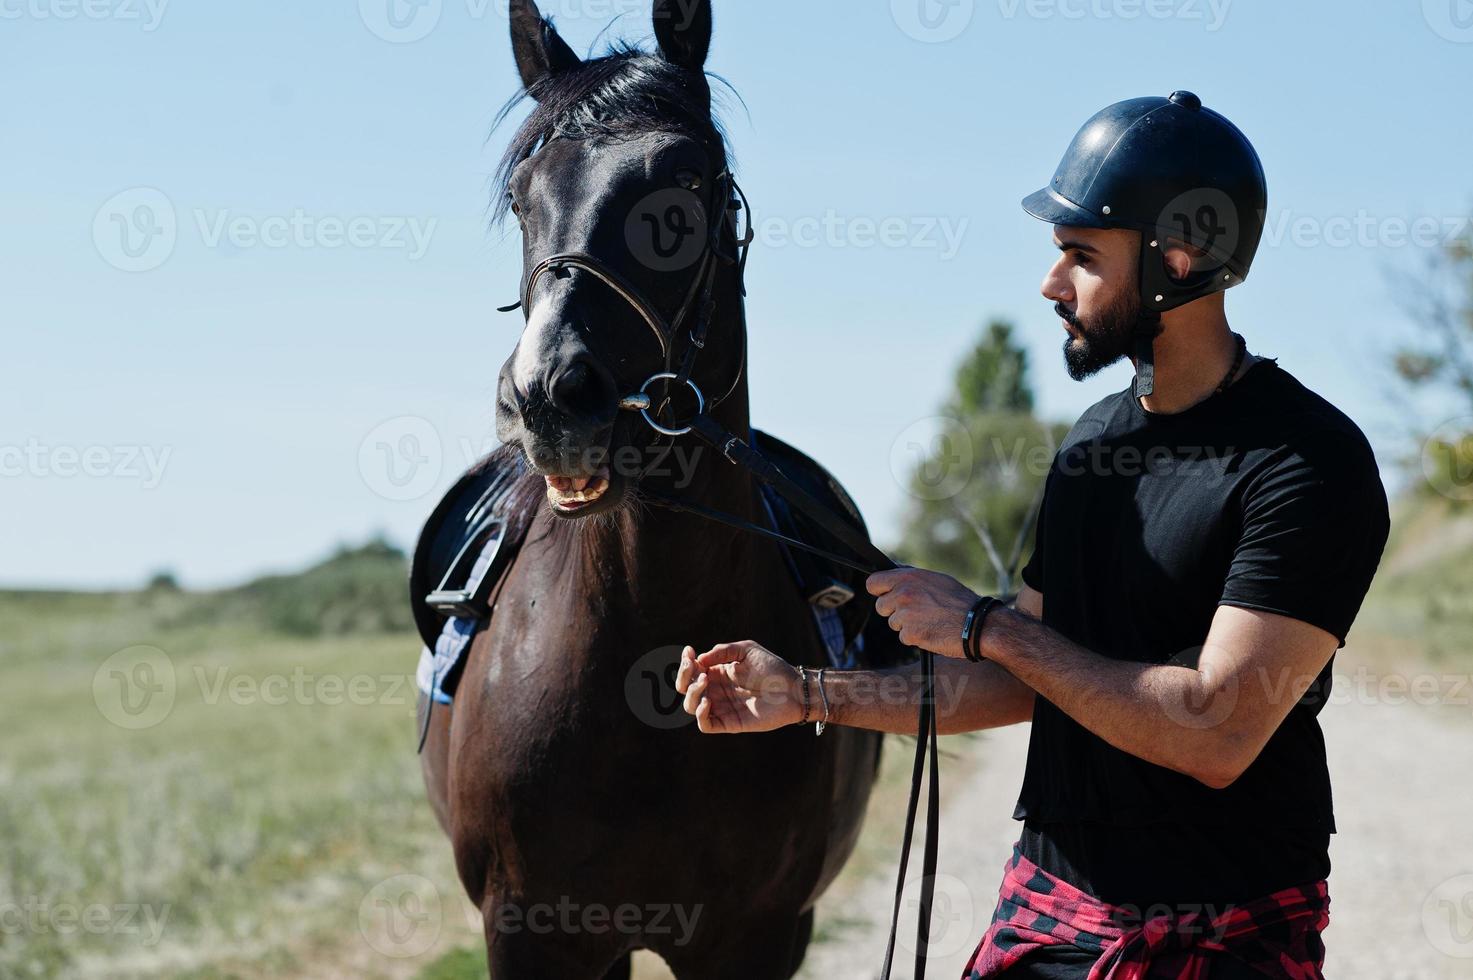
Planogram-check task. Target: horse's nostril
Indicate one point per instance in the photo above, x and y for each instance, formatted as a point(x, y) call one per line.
point(506, 390)
point(583, 390)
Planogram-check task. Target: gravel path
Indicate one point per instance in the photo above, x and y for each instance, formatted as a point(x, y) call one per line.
point(1401, 891)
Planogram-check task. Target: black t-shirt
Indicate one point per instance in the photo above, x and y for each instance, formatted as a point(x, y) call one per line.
point(1265, 497)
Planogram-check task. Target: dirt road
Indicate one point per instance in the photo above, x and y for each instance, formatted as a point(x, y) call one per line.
point(1402, 886)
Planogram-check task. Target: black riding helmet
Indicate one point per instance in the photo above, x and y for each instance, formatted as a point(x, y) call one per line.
point(1172, 170)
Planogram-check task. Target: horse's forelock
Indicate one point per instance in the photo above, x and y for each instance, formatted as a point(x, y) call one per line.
point(623, 93)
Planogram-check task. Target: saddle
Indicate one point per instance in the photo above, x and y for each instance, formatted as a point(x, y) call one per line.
point(474, 533)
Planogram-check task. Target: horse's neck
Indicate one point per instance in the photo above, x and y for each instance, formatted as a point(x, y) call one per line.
point(675, 559)
point(680, 563)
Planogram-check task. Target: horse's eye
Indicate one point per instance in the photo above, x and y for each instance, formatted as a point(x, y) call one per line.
point(516, 209)
point(688, 179)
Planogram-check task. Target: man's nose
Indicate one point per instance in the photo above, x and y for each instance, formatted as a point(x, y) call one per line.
point(1055, 286)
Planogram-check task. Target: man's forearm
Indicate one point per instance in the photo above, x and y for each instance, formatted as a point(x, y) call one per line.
point(969, 697)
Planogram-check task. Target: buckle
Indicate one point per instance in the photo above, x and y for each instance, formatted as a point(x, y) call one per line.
point(468, 600)
point(831, 596)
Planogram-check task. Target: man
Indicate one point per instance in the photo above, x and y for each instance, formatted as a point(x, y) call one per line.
point(1206, 539)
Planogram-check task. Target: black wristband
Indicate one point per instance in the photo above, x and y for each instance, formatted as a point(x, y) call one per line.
point(972, 629)
point(981, 624)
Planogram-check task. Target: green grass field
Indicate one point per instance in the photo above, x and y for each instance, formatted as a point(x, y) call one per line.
point(195, 785)
point(234, 823)
point(215, 785)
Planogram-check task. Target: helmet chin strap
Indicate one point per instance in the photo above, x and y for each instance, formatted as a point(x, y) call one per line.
point(1145, 365)
point(1148, 328)
point(1150, 277)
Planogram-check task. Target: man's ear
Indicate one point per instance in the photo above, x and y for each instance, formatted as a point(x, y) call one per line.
point(1178, 261)
point(539, 50)
point(683, 31)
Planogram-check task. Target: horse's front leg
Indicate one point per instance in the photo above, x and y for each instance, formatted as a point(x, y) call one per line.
point(434, 760)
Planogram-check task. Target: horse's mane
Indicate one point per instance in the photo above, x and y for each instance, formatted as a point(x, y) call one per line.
point(624, 93)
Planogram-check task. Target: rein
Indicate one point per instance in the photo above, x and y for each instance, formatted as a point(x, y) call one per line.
point(872, 559)
point(866, 557)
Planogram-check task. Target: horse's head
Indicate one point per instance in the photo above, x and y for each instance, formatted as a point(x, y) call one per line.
point(616, 179)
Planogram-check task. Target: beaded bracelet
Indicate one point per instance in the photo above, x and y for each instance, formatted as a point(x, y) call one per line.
point(803, 675)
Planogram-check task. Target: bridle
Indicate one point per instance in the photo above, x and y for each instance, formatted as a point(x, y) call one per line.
point(699, 302)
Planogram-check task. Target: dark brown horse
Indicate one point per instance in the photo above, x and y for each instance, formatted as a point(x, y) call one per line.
point(564, 782)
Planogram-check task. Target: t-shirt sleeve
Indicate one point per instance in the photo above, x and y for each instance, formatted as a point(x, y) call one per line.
point(1033, 571)
point(1314, 527)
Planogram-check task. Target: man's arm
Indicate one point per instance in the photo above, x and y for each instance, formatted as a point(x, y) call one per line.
point(1210, 722)
point(741, 687)
point(969, 697)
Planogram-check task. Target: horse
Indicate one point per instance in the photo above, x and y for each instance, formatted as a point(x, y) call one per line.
point(559, 790)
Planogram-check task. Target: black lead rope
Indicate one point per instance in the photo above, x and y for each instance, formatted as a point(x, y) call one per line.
point(710, 514)
point(752, 460)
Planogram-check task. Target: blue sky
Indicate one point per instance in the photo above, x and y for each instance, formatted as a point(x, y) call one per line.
point(246, 275)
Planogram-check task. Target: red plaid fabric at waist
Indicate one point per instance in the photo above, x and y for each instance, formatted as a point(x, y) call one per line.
point(1278, 935)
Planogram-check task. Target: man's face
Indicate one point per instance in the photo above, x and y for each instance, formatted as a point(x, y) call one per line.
point(1094, 289)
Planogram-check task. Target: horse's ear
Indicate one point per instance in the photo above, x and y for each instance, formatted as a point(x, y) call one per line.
point(539, 49)
point(683, 30)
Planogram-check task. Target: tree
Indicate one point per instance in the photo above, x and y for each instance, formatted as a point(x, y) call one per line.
point(163, 581)
point(977, 483)
point(1440, 303)
point(994, 376)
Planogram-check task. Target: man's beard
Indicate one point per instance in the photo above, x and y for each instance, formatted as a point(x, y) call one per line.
point(1107, 336)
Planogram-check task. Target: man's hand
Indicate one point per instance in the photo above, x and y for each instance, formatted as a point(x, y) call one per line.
point(739, 687)
point(926, 608)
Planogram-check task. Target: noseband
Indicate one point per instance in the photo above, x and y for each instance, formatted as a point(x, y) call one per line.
point(699, 301)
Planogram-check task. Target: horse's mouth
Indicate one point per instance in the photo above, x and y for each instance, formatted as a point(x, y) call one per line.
point(570, 494)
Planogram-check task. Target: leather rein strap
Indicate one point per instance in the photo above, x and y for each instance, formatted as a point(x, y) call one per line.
point(871, 559)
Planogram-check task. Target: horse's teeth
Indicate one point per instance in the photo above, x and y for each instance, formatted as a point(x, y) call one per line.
point(594, 490)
